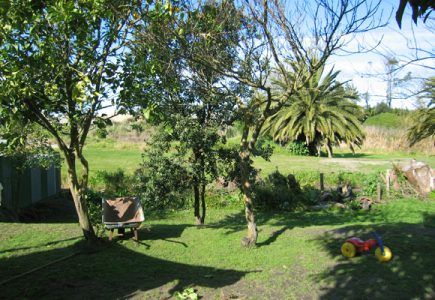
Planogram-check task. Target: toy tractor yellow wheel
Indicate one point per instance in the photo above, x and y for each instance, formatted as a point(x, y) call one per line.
point(386, 256)
point(348, 250)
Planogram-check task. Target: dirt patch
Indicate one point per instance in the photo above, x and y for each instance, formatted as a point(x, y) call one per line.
point(354, 164)
point(285, 282)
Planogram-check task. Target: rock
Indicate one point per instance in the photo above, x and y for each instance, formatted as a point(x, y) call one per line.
point(320, 206)
point(345, 192)
point(366, 203)
point(339, 205)
point(420, 176)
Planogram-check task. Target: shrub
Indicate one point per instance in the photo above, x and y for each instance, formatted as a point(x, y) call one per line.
point(298, 148)
point(221, 197)
point(162, 183)
point(369, 185)
point(115, 184)
point(386, 119)
point(93, 201)
point(278, 192)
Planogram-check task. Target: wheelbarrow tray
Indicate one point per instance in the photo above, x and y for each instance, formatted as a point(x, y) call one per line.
point(122, 212)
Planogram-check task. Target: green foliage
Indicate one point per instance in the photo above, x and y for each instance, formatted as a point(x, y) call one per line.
point(420, 9)
point(423, 120)
point(369, 185)
point(187, 294)
point(26, 145)
point(162, 179)
point(332, 179)
point(311, 194)
point(354, 205)
point(138, 128)
point(423, 125)
point(114, 184)
point(385, 119)
point(102, 133)
point(222, 197)
point(278, 192)
point(297, 148)
point(322, 112)
point(95, 209)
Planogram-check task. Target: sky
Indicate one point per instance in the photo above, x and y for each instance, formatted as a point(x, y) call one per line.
point(366, 71)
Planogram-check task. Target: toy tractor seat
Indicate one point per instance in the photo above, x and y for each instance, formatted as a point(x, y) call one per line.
point(120, 213)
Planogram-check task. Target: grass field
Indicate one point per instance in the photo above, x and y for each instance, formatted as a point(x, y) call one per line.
point(110, 155)
point(297, 257)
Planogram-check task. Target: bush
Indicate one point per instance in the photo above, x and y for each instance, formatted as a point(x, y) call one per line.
point(369, 185)
point(162, 183)
point(222, 198)
point(278, 192)
point(115, 184)
point(95, 208)
point(298, 148)
point(386, 119)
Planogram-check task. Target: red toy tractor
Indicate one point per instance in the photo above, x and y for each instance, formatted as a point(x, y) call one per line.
point(354, 246)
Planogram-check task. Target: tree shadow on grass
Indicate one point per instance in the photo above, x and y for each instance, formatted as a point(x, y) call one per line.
point(49, 244)
point(236, 222)
point(272, 237)
point(113, 273)
point(409, 275)
point(350, 155)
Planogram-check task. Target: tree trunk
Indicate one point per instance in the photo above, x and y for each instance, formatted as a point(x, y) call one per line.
point(251, 238)
point(202, 219)
point(329, 149)
point(312, 149)
point(78, 195)
point(82, 213)
point(196, 202)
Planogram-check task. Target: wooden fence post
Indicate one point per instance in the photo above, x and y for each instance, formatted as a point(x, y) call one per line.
point(322, 187)
point(378, 192)
point(387, 179)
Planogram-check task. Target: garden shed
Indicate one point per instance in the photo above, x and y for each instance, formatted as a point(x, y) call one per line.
point(32, 185)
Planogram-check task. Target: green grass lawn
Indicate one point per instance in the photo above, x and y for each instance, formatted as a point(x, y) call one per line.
point(297, 257)
point(109, 155)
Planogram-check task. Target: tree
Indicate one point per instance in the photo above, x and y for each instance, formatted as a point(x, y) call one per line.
point(191, 100)
point(58, 65)
point(424, 118)
point(420, 9)
point(276, 32)
point(390, 67)
point(323, 112)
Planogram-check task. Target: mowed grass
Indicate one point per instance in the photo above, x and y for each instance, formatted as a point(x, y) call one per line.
point(297, 257)
point(109, 155)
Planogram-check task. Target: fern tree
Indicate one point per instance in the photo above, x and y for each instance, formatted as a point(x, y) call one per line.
point(322, 113)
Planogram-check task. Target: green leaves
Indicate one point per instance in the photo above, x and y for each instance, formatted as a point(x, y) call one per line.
point(320, 112)
point(79, 90)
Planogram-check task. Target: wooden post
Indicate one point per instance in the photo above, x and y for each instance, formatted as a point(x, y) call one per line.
point(378, 191)
point(135, 235)
point(322, 187)
point(387, 179)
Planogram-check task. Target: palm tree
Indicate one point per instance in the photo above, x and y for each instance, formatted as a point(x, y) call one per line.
point(424, 119)
point(321, 113)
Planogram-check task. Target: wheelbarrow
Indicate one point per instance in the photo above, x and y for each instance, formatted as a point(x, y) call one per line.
point(120, 213)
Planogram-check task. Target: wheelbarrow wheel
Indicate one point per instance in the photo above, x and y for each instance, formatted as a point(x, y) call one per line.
point(348, 249)
point(383, 257)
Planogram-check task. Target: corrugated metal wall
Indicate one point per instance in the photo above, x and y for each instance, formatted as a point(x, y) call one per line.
point(33, 185)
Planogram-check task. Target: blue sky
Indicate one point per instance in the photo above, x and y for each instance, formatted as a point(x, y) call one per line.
point(366, 71)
